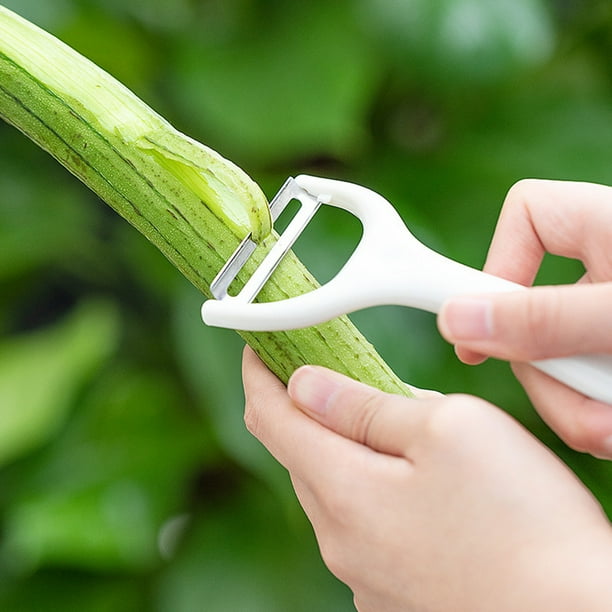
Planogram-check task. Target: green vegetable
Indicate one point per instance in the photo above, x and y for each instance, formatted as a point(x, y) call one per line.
point(193, 204)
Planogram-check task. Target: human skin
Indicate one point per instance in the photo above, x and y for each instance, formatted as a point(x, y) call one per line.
point(446, 502)
point(563, 218)
point(441, 503)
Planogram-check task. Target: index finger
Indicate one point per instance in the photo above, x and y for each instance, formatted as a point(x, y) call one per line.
point(571, 219)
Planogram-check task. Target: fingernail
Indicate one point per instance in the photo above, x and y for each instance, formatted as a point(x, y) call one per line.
point(311, 387)
point(467, 319)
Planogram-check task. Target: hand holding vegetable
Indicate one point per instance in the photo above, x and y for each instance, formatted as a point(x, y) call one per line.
point(439, 503)
point(564, 218)
point(446, 503)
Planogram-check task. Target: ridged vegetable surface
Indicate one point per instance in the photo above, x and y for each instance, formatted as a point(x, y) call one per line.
point(193, 204)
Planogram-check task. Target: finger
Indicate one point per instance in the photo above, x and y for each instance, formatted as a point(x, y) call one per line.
point(561, 217)
point(538, 323)
point(298, 442)
point(383, 422)
point(468, 356)
point(583, 424)
point(566, 218)
point(471, 357)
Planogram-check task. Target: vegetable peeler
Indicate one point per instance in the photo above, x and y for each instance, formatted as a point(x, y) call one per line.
point(389, 266)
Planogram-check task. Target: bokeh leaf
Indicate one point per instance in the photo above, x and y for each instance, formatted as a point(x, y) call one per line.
point(40, 224)
point(255, 561)
point(65, 591)
point(98, 497)
point(303, 90)
point(455, 42)
point(41, 373)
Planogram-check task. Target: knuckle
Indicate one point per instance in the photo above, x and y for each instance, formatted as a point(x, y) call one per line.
point(334, 557)
point(363, 416)
point(521, 191)
point(583, 434)
point(577, 440)
point(455, 417)
point(542, 323)
point(363, 424)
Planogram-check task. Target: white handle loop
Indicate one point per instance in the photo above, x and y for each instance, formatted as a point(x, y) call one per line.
point(390, 266)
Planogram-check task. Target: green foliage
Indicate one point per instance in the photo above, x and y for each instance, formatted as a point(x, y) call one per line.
point(448, 42)
point(128, 480)
point(280, 78)
point(59, 359)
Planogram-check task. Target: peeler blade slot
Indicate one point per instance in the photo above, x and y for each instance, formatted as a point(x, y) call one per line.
point(221, 283)
point(309, 205)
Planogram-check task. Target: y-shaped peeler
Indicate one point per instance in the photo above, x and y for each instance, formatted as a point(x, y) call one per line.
point(389, 266)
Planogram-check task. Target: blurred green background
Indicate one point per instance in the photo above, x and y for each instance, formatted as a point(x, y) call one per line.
point(127, 480)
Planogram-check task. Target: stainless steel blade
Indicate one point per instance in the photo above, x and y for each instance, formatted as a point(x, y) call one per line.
point(288, 192)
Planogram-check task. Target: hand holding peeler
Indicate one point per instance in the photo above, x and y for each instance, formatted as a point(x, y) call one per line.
point(389, 266)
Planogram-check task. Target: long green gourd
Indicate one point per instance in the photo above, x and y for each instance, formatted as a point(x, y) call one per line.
point(190, 202)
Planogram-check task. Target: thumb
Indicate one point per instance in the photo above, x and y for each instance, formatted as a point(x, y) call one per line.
point(384, 422)
point(538, 323)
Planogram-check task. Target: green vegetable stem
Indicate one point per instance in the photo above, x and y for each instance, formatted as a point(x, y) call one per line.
point(189, 201)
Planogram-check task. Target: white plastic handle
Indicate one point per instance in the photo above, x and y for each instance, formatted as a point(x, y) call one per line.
point(390, 266)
